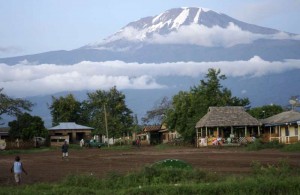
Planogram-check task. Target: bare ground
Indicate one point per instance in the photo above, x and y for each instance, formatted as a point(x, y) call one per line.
point(49, 166)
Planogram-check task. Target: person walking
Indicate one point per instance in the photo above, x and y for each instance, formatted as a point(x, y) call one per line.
point(64, 149)
point(17, 169)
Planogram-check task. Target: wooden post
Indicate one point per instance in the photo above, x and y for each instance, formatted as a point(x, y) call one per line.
point(105, 118)
point(298, 122)
point(197, 138)
point(201, 132)
point(270, 134)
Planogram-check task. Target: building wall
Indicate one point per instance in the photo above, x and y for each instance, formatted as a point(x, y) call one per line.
point(74, 135)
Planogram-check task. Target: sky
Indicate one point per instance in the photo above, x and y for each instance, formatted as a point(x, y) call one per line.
point(36, 26)
point(32, 26)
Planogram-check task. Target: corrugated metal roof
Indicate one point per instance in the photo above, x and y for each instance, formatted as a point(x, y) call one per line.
point(152, 128)
point(69, 126)
point(226, 117)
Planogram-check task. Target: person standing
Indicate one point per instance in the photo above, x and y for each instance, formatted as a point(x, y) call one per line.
point(64, 149)
point(17, 169)
point(81, 143)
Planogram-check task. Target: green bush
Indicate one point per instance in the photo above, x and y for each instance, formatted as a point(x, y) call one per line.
point(281, 169)
point(292, 147)
point(172, 163)
point(259, 145)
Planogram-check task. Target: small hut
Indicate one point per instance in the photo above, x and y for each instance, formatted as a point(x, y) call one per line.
point(283, 127)
point(231, 123)
point(69, 131)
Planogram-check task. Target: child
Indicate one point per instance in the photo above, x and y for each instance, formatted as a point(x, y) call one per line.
point(18, 168)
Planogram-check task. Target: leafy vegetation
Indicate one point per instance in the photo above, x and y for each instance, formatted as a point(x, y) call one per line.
point(26, 127)
point(112, 104)
point(158, 112)
point(265, 111)
point(259, 145)
point(92, 111)
point(161, 178)
point(292, 147)
point(12, 106)
point(172, 163)
point(188, 107)
point(65, 109)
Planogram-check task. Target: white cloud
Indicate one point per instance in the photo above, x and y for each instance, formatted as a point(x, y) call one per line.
point(215, 36)
point(28, 80)
point(196, 34)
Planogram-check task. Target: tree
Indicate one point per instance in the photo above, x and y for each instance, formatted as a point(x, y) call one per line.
point(65, 109)
point(188, 107)
point(156, 115)
point(265, 111)
point(12, 106)
point(26, 127)
point(112, 104)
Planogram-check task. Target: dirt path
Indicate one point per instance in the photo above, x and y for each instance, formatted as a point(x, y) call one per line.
point(49, 167)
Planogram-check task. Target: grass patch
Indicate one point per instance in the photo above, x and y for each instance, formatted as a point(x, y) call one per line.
point(259, 145)
point(292, 147)
point(161, 178)
point(172, 163)
point(27, 151)
point(114, 147)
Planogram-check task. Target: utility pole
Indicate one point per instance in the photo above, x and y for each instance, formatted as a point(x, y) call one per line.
point(105, 118)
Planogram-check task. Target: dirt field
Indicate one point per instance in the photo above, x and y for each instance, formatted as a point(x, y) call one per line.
point(49, 167)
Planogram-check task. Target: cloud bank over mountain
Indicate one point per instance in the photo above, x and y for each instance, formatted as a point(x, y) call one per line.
point(25, 79)
point(201, 35)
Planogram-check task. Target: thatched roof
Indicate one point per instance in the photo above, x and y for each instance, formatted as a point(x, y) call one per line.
point(226, 117)
point(282, 118)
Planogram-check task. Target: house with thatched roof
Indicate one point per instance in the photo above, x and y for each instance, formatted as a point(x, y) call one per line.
point(231, 123)
point(283, 127)
point(69, 131)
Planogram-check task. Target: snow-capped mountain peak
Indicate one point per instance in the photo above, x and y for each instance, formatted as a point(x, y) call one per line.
point(191, 22)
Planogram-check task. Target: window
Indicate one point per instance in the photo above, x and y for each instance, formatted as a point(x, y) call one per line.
point(296, 130)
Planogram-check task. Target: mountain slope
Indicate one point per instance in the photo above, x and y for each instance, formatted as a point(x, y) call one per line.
point(181, 34)
point(184, 35)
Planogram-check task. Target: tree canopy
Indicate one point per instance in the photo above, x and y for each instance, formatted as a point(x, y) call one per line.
point(13, 106)
point(26, 127)
point(65, 109)
point(92, 111)
point(265, 111)
point(110, 105)
point(188, 107)
point(156, 115)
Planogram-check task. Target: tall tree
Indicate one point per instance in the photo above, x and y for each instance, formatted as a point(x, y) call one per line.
point(158, 112)
point(110, 105)
point(188, 107)
point(27, 127)
point(65, 109)
point(13, 106)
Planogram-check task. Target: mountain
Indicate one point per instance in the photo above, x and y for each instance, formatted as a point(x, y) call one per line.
point(181, 34)
point(188, 35)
